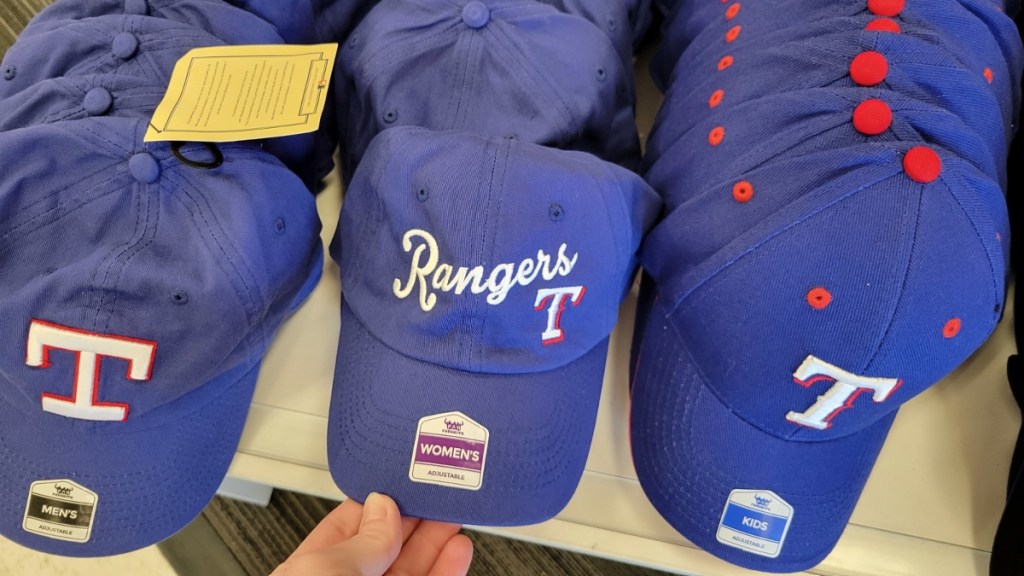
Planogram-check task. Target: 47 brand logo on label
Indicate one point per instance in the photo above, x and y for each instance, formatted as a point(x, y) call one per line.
point(89, 350)
point(841, 396)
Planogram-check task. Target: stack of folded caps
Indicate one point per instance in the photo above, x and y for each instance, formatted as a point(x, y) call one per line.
point(124, 51)
point(488, 235)
point(835, 240)
point(140, 283)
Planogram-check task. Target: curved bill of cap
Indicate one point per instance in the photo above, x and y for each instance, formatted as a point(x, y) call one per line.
point(743, 495)
point(458, 446)
point(90, 489)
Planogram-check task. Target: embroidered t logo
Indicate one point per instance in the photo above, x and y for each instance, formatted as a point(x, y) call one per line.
point(89, 349)
point(558, 297)
point(840, 396)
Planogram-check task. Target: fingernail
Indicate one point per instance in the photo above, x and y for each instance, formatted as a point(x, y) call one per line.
point(375, 507)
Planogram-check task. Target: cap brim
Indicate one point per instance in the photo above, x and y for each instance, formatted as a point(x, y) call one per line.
point(539, 430)
point(691, 452)
point(151, 479)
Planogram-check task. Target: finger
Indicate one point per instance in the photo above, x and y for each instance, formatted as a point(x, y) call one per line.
point(422, 548)
point(368, 553)
point(455, 557)
point(408, 526)
point(338, 526)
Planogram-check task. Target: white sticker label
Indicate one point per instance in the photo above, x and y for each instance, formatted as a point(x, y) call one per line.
point(450, 450)
point(755, 521)
point(60, 509)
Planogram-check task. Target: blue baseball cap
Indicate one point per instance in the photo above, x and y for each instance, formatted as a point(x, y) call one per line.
point(896, 62)
point(791, 124)
point(736, 24)
point(493, 67)
point(140, 46)
point(790, 313)
point(139, 295)
point(477, 306)
point(77, 97)
point(220, 19)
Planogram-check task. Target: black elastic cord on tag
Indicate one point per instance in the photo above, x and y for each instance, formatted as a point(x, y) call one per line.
point(218, 157)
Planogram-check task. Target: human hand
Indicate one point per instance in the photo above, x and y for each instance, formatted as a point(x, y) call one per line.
point(375, 540)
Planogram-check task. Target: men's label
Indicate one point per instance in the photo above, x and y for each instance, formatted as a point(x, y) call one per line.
point(228, 93)
point(756, 521)
point(60, 509)
point(450, 450)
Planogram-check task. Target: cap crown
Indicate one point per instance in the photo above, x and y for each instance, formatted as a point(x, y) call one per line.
point(872, 280)
point(139, 46)
point(113, 241)
point(488, 255)
point(496, 67)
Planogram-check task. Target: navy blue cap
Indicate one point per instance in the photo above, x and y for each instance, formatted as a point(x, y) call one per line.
point(950, 26)
point(493, 67)
point(140, 46)
point(897, 62)
point(226, 22)
point(477, 306)
point(792, 313)
point(758, 132)
point(139, 295)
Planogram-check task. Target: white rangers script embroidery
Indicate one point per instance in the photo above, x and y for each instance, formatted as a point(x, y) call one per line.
point(428, 275)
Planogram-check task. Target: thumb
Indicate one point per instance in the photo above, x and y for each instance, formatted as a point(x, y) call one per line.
point(370, 552)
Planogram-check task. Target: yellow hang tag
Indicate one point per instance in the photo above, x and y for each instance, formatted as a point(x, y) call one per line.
point(229, 93)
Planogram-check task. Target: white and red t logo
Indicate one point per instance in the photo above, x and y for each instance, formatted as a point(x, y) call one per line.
point(89, 349)
point(840, 396)
point(559, 298)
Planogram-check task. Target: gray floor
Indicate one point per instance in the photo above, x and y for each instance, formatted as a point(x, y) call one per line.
point(237, 539)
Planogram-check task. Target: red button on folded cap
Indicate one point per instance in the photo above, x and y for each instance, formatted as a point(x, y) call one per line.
point(989, 76)
point(885, 7)
point(883, 25)
point(732, 11)
point(872, 117)
point(733, 33)
point(725, 62)
point(922, 164)
point(869, 68)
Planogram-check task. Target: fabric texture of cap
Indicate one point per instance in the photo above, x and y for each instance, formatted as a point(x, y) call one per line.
point(951, 26)
point(139, 295)
point(792, 124)
point(477, 307)
point(77, 97)
point(783, 332)
point(310, 21)
point(218, 18)
point(140, 46)
point(493, 67)
point(896, 62)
